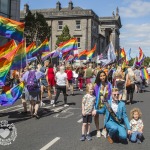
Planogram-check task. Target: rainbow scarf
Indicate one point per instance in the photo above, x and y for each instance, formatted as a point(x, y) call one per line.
point(5, 64)
point(68, 45)
point(91, 52)
point(97, 94)
point(29, 50)
point(19, 61)
point(11, 96)
point(11, 29)
point(8, 47)
point(144, 74)
point(44, 47)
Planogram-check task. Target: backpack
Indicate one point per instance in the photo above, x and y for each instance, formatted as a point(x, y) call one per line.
point(32, 82)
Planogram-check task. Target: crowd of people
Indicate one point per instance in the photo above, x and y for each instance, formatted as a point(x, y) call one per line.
point(108, 90)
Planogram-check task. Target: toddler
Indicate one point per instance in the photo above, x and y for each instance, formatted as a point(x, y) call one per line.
point(87, 108)
point(136, 125)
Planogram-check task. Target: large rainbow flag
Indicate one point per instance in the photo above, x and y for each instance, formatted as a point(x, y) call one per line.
point(19, 61)
point(5, 64)
point(44, 47)
point(29, 50)
point(11, 96)
point(68, 45)
point(91, 52)
point(11, 29)
point(8, 47)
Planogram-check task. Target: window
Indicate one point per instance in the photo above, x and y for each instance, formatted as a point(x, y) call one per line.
point(79, 42)
point(5, 8)
point(78, 25)
point(60, 25)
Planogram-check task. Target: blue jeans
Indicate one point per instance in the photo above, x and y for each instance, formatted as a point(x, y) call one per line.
point(116, 130)
point(135, 136)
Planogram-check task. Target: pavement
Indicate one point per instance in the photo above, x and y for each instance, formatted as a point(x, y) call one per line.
point(59, 128)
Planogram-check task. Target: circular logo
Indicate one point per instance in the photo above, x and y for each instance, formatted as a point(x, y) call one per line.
point(8, 133)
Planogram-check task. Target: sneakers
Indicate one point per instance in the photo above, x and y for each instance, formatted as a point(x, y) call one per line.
point(53, 105)
point(42, 104)
point(52, 102)
point(104, 133)
point(66, 105)
point(82, 138)
point(81, 90)
point(98, 135)
point(139, 141)
point(88, 137)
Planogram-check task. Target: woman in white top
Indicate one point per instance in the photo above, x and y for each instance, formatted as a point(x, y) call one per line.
point(61, 81)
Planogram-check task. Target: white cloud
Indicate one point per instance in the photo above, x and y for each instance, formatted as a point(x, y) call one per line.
point(133, 35)
point(135, 8)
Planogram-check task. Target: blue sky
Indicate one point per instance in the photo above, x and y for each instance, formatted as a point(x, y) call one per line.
point(135, 18)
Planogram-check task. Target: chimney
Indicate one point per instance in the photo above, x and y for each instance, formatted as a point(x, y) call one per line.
point(58, 6)
point(26, 9)
point(70, 6)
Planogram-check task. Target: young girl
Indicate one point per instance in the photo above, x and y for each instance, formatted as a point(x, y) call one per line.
point(87, 108)
point(136, 125)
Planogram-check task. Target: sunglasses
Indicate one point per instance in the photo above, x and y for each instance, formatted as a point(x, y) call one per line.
point(116, 94)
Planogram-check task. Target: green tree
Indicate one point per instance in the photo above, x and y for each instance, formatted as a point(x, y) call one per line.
point(36, 28)
point(64, 36)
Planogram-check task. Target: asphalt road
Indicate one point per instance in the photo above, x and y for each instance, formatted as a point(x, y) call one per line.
point(59, 128)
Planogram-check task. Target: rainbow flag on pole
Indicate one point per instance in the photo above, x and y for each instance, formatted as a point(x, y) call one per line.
point(8, 47)
point(11, 29)
point(44, 47)
point(5, 64)
point(11, 96)
point(19, 61)
point(141, 57)
point(123, 53)
point(29, 49)
point(82, 55)
point(68, 45)
point(91, 52)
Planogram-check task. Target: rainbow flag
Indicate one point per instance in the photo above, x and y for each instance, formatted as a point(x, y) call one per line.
point(141, 57)
point(29, 49)
point(11, 96)
point(19, 61)
point(11, 29)
point(44, 47)
point(91, 52)
point(5, 64)
point(68, 45)
point(144, 74)
point(8, 47)
point(123, 53)
point(45, 55)
point(82, 55)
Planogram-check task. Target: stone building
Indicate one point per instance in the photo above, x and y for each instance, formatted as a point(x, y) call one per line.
point(9, 9)
point(84, 24)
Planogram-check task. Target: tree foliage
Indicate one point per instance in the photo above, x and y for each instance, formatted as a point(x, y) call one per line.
point(64, 36)
point(36, 28)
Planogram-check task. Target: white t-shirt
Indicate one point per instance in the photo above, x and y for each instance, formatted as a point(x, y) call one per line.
point(148, 69)
point(61, 79)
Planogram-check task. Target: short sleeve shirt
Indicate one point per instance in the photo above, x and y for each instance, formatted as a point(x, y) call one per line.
point(136, 124)
point(61, 79)
point(88, 101)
